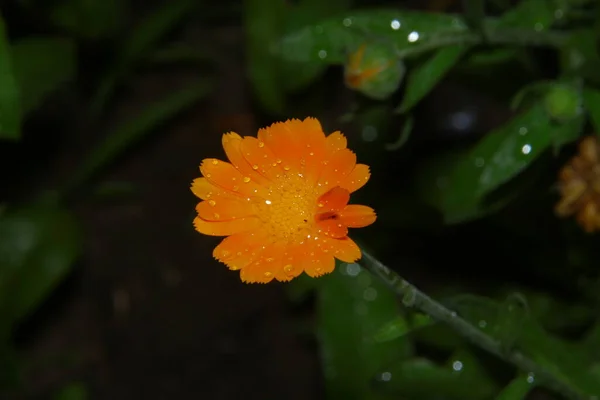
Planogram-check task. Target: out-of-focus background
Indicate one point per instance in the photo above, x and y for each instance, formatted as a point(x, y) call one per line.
point(107, 108)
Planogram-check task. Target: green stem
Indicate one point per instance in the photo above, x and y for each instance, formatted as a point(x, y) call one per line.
point(413, 297)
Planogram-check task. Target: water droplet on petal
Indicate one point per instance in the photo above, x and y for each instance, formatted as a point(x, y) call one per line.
point(217, 216)
point(286, 168)
point(255, 167)
point(288, 268)
point(212, 203)
point(235, 188)
point(268, 274)
point(261, 144)
point(246, 179)
point(215, 162)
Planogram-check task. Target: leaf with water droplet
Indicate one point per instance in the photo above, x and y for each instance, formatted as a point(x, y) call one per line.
point(510, 319)
point(579, 56)
point(10, 99)
point(538, 15)
point(517, 389)
point(409, 32)
point(498, 157)
point(402, 325)
point(347, 324)
point(422, 78)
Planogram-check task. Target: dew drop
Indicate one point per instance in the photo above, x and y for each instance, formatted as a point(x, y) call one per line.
point(268, 274)
point(246, 179)
point(413, 36)
point(322, 54)
point(225, 253)
point(207, 175)
point(261, 144)
point(212, 203)
point(279, 161)
point(385, 376)
point(215, 162)
point(288, 268)
point(270, 259)
point(217, 216)
point(347, 22)
point(235, 188)
point(255, 167)
point(395, 24)
point(286, 168)
point(522, 130)
point(526, 149)
point(457, 365)
point(267, 202)
point(530, 377)
point(311, 154)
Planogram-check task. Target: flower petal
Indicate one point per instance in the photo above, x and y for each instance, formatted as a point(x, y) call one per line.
point(240, 250)
point(232, 145)
point(313, 142)
point(334, 200)
point(357, 178)
point(338, 166)
point(346, 250)
point(226, 228)
point(282, 139)
point(335, 142)
point(357, 216)
point(223, 209)
point(318, 263)
point(263, 269)
point(205, 190)
point(261, 158)
point(291, 265)
point(226, 176)
point(332, 227)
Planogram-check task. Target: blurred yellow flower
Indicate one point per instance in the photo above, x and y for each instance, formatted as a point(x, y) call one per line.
point(282, 201)
point(579, 186)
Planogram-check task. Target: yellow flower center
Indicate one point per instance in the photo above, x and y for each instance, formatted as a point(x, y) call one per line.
point(288, 213)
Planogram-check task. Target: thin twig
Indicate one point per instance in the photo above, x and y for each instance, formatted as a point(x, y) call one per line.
point(411, 296)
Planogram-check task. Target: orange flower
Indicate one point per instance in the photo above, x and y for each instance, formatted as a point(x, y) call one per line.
point(282, 202)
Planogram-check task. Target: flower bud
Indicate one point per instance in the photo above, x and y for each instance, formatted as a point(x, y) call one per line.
point(374, 70)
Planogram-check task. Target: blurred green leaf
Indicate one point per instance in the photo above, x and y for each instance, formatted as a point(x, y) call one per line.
point(512, 314)
point(423, 78)
point(41, 65)
point(351, 307)
point(591, 102)
point(402, 325)
point(565, 360)
point(10, 99)
point(537, 15)
point(90, 19)
point(264, 22)
point(139, 44)
point(72, 391)
point(409, 32)
point(474, 11)
point(37, 247)
point(579, 56)
point(463, 379)
point(134, 130)
point(517, 389)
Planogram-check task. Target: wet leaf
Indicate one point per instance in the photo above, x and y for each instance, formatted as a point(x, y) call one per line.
point(139, 44)
point(37, 247)
point(591, 101)
point(351, 307)
point(137, 128)
point(512, 314)
point(409, 32)
point(517, 389)
point(402, 325)
point(41, 65)
point(423, 78)
point(10, 99)
point(463, 379)
point(537, 15)
point(90, 19)
point(579, 56)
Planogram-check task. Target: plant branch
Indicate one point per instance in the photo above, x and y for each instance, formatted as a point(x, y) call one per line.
point(413, 297)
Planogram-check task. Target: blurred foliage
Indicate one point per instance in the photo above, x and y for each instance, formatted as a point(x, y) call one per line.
point(458, 202)
point(41, 239)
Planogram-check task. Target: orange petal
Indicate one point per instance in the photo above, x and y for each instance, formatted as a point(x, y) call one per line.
point(357, 216)
point(332, 228)
point(334, 200)
point(224, 175)
point(312, 141)
point(226, 228)
point(335, 142)
point(345, 250)
point(291, 265)
point(205, 190)
point(282, 139)
point(240, 250)
point(357, 178)
point(268, 263)
point(338, 166)
point(223, 209)
point(261, 158)
point(318, 263)
point(232, 144)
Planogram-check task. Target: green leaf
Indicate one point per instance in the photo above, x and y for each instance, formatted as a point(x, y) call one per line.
point(464, 378)
point(139, 44)
point(137, 128)
point(423, 78)
point(401, 326)
point(90, 19)
point(537, 15)
point(512, 314)
point(579, 56)
point(263, 23)
point(41, 65)
point(474, 13)
point(409, 33)
point(10, 100)
point(72, 391)
point(37, 247)
point(591, 102)
point(517, 389)
point(351, 307)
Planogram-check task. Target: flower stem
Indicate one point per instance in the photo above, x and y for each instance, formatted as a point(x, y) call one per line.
point(413, 297)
